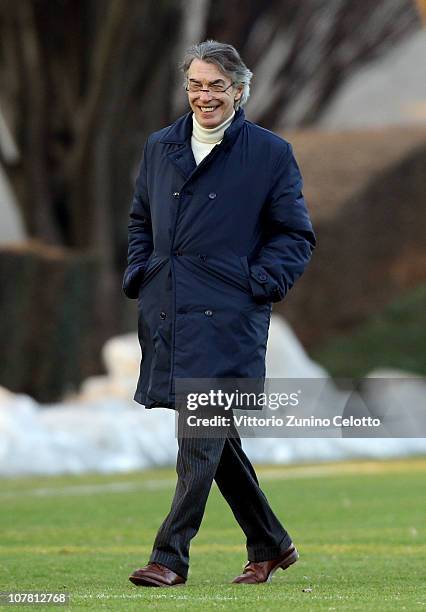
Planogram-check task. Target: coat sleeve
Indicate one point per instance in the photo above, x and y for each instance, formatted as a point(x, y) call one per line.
point(289, 239)
point(140, 243)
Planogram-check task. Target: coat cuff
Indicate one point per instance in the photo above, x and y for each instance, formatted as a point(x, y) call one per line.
point(263, 286)
point(132, 280)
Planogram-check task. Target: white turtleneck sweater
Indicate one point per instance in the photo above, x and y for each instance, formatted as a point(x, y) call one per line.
point(204, 139)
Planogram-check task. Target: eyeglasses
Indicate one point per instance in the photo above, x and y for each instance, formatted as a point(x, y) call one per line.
point(213, 87)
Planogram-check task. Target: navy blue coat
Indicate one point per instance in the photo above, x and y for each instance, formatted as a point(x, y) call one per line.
point(210, 248)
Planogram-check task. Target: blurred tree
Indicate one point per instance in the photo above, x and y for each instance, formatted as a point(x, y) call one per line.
point(83, 82)
point(76, 73)
point(302, 51)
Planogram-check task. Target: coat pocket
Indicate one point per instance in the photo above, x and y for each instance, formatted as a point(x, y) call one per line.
point(228, 270)
point(155, 263)
point(245, 267)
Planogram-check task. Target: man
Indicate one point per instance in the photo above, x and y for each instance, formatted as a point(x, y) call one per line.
point(218, 231)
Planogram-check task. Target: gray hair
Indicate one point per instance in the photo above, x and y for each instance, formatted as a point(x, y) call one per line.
point(226, 58)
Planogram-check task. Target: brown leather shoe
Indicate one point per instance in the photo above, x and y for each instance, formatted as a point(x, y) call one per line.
point(156, 575)
point(262, 571)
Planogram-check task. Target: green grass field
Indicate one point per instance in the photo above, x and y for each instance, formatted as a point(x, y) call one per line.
point(359, 528)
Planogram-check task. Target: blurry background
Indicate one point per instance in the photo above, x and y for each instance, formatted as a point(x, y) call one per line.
point(83, 82)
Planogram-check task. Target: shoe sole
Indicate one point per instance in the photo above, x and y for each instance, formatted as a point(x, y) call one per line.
point(151, 582)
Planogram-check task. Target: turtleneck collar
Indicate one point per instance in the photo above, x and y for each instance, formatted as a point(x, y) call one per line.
point(210, 135)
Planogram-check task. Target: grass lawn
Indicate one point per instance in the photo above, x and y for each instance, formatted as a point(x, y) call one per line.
point(359, 528)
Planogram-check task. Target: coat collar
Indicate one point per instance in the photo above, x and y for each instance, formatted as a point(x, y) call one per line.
point(181, 130)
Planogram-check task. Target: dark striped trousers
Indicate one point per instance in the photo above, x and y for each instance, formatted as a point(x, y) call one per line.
point(199, 461)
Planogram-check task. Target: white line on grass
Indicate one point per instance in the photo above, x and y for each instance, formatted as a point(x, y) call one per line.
point(279, 473)
point(89, 489)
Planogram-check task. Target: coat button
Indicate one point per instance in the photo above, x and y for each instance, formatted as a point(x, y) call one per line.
point(162, 315)
point(176, 194)
point(202, 256)
point(208, 313)
point(212, 196)
point(261, 276)
point(178, 253)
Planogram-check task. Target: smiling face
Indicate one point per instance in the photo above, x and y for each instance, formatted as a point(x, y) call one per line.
point(211, 108)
